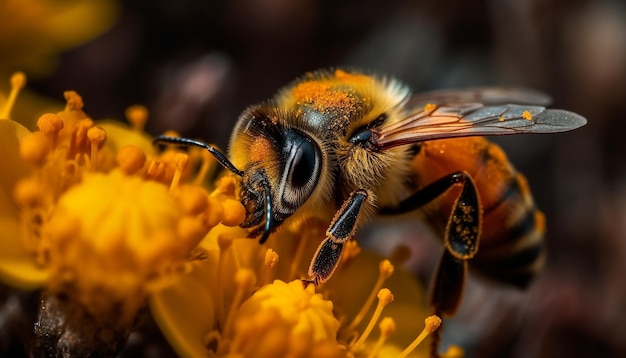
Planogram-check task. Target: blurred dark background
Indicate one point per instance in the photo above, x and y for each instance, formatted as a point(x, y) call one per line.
point(197, 64)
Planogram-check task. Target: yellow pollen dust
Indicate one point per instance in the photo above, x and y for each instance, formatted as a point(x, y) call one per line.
point(527, 116)
point(429, 107)
point(322, 96)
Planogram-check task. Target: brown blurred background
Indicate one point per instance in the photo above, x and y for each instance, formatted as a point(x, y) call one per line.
point(197, 64)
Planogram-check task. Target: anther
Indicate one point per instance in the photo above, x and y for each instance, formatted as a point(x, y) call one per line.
point(96, 136)
point(131, 159)
point(74, 102)
point(51, 125)
point(234, 212)
point(137, 116)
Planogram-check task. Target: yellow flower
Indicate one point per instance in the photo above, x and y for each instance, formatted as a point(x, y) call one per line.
point(33, 32)
point(94, 216)
point(90, 212)
point(246, 298)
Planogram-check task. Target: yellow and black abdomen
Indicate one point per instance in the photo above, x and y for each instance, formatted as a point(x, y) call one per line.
point(511, 245)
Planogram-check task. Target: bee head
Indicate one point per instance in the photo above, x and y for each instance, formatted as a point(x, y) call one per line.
point(281, 167)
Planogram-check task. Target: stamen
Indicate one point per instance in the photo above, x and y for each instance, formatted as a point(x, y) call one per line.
point(180, 160)
point(224, 242)
point(73, 101)
point(18, 81)
point(137, 116)
point(387, 327)
point(50, 124)
point(155, 170)
point(96, 136)
point(271, 259)
point(431, 324)
point(131, 159)
point(206, 161)
point(245, 280)
point(297, 257)
point(385, 269)
point(385, 297)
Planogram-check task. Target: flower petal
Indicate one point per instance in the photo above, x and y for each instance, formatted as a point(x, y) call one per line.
point(185, 312)
point(12, 166)
point(16, 265)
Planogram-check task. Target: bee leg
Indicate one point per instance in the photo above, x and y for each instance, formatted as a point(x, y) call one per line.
point(461, 237)
point(341, 229)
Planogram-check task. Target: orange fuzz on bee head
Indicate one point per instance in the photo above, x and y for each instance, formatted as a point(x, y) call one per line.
point(260, 148)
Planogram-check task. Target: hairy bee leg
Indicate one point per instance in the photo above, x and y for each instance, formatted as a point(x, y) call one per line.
point(461, 237)
point(341, 229)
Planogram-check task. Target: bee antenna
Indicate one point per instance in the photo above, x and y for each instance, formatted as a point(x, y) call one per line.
point(269, 214)
point(219, 156)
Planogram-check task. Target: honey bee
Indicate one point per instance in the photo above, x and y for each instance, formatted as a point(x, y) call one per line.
point(345, 146)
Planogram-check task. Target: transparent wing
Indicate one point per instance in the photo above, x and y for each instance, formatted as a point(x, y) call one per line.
point(473, 119)
point(484, 95)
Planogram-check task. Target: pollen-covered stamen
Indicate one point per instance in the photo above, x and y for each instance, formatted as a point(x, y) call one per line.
point(137, 116)
point(50, 124)
point(224, 242)
point(387, 327)
point(180, 161)
point(80, 143)
point(245, 280)
point(431, 324)
point(385, 270)
point(18, 81)
point(385, 297)
point(96, 136)
point(206, 162)
point(73, 101)
point(307, 234)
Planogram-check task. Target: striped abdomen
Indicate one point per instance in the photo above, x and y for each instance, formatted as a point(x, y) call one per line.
point(511, 244)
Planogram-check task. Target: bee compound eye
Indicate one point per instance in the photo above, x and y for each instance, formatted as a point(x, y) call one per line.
point(304, 165)
point(302, 168)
